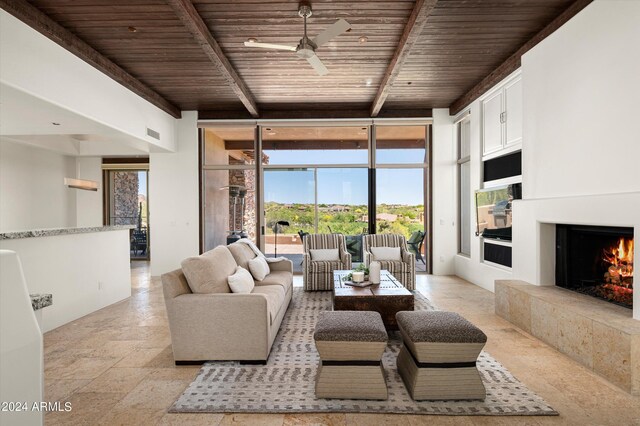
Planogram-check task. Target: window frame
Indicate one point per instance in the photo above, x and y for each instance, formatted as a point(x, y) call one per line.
point(464, 119)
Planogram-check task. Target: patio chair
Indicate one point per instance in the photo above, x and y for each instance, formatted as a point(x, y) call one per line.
point(302, 234)
point(318, 274)
point(405, 269)
point(415, 242)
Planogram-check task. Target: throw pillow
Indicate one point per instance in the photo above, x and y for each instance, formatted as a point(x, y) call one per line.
point(326, 255)
point(259, 268)
point(241, 281)
point(208, 272)
point(386, 253)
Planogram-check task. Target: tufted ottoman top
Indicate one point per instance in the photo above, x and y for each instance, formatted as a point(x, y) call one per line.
point(350, 326)
point(438, 327)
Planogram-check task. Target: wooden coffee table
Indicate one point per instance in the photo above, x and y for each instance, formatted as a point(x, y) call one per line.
point(386, 298)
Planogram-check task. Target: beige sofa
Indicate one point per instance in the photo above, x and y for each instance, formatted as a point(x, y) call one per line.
point(227, 326)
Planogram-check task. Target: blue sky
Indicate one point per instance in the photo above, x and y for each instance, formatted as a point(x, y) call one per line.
point(343, 186)
point(142, 183)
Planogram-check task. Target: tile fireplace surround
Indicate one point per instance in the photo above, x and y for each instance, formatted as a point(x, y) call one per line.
point(603, 337)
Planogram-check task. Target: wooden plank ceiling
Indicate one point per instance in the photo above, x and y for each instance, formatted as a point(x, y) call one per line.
point(461, 43)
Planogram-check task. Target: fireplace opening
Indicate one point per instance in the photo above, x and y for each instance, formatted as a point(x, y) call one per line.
point(596, 260)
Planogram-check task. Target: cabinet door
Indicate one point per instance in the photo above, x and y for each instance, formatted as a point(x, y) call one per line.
point(513, 108)
point(491, 123)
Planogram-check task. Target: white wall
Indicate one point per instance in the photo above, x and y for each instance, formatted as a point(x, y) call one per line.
point(84, 272)
point(36, 65)
point(89, 203)
point(174, 199)
point(443, 193)
point(33, 193)
point(31, 186)
point(581, 89)
point(581, 148)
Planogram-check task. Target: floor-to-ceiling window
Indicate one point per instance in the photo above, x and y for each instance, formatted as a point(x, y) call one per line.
point(315, 181)
point(347, 177)
point(228, 185)
point(400, 184)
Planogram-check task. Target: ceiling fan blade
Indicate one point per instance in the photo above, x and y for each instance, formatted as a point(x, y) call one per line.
point(317, 65)
point(331, 32)
point(269, 46)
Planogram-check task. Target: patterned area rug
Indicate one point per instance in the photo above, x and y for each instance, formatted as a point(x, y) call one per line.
point(286, 383)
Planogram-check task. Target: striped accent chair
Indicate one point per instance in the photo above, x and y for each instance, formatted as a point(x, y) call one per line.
point(404, 270)
point(318, 275)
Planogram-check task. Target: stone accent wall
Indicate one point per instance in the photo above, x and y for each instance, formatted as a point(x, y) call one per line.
point(125, 207)
point(247, 179)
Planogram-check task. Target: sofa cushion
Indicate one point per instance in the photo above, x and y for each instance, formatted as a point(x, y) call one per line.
point(275, 295)
point(259, 268)
point(241, 281)
point(208, 272)
point(242, 253)
point(282, 278)
point(386, 253)
point(324, 255)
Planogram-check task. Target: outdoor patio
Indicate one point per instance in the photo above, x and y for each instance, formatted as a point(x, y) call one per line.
point(294, 253)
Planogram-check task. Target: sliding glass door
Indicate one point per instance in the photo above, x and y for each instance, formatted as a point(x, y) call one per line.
point(300, 201)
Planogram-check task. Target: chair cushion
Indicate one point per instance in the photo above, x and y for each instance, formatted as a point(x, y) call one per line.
point(324, 255)
point(259, 268)
point(438, 326)
point(322, 267)
point(242, 253)
point(394, 265)
point(350, 326)
point(282, 278)
point(386, 253)
point(241, 281)
point(275, 295)
point(208, 272)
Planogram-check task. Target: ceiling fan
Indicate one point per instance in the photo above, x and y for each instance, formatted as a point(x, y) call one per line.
point(306, 49)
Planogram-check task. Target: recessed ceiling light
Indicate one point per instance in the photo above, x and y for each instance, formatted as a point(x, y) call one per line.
point(55, 124)
point(363, 39)
point(132, 29)
point(368, 82)
point(252, 40)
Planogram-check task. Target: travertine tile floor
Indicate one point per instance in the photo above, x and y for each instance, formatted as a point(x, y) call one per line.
point(115, 367)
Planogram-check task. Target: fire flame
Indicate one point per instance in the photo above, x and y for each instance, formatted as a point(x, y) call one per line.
point(620, 258)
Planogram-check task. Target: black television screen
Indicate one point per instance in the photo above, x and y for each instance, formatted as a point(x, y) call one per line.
point(493, 211)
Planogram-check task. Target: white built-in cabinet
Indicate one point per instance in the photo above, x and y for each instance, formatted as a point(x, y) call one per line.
point(502, 118)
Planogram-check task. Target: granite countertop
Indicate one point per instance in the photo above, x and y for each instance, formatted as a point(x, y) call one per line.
point(39, 301)
point(60, 231)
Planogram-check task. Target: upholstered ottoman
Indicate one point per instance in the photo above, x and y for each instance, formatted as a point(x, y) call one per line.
point(350, 344)
point(439, 354)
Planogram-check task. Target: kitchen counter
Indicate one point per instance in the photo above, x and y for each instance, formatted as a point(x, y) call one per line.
point(39, 301)
point(60, 231)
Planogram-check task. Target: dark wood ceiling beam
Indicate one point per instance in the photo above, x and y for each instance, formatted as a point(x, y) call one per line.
point(189, 16)
point(320, 112)
point(514, 61)
point(46, 26)
point(410, 35)
point(324, 144)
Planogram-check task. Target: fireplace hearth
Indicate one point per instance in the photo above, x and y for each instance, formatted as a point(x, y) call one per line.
point(597, 261)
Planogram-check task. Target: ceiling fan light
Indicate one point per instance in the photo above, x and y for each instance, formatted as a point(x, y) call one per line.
point(252, 40)
point(363, 39)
